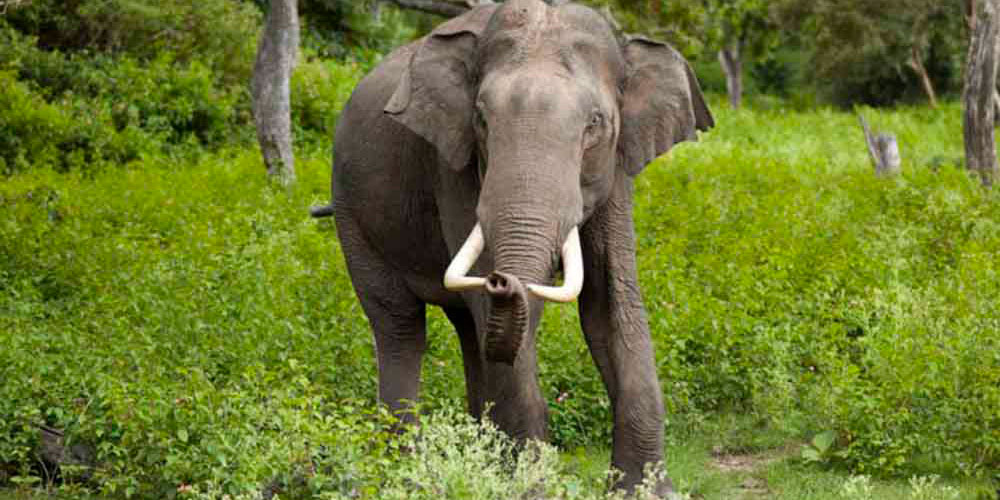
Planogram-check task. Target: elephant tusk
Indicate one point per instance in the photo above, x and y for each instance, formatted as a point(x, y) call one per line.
point(572, 258)
point(455, 278)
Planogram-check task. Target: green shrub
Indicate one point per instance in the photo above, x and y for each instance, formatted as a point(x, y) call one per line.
point(219, 33)
point(51, 72)
point(72, 134)
point(178, 102)
point(80, 111)
point(319, 91)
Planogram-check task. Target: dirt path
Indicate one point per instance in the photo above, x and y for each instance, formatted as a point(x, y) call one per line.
point(750, 468)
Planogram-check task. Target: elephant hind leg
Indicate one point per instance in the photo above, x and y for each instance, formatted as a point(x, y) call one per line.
point(397, 318)
point(400, 341)
point(465, 326)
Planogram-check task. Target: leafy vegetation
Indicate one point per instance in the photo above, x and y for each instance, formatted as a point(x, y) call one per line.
point(219, 34)
point(197, 328)
point(864, 51)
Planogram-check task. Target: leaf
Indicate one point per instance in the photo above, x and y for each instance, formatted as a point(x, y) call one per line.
point(824, 440)
point(810, 454)
point(183, 435)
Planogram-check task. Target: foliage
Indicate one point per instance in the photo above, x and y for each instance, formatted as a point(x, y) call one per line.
point(196, 328)
point(70, 135)
point(319, 91)
point(860, 49)
point(843, 51)
point(221, 34)
point(347, 29)
point(79, 111)
point(746, 22)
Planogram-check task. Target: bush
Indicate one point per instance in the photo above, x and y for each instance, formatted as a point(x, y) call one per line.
point(81, 111)
point(219, 33)
point(178, 102)
point(73, 134)
point(319, 91)
point(346, 30)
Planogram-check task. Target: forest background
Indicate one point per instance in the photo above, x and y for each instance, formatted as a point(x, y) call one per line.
point(172, 324)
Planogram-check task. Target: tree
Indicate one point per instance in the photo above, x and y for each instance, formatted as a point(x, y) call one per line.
point(980, 88)
point(868, 51)
point(738, 27)
point(271, 88)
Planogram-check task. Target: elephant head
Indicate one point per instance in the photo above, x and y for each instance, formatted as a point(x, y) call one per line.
point(551, 108)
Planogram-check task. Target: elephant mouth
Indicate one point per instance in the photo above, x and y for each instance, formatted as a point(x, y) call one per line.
point(508, 321)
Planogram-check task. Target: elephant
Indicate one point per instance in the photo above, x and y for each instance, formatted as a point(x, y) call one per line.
point(474, 167)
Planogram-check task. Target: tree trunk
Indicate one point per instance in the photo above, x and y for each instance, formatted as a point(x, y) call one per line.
point(978, 95)
point(732, 66)
point(271, 88)
point(996, 107)
point(883, 148)
point(916, 62)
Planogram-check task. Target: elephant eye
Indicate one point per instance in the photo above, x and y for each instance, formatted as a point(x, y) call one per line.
point(596, 120)
point(592, 135)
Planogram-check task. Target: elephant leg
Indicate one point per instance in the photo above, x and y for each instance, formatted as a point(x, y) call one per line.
point(397, 318)
point(400, 341)
point(617, 331)
point(472, 357)
point(629, 374)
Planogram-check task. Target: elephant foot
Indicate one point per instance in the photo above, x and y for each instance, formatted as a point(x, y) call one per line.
point(654, 484)
point(664, 488)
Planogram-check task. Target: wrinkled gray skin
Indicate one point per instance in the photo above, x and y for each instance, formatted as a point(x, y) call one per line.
point(529, 119)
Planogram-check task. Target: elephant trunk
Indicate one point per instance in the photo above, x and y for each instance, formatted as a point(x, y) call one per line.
point(524, 254)
point(507, 321)
point(517, 288)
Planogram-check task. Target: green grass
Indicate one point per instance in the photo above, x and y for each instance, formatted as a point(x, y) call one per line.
point(194, 325)
point(706, 467)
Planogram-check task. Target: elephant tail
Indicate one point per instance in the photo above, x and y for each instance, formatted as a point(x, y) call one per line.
point(323, 211)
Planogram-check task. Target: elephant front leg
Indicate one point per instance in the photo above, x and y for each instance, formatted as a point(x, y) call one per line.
point(617, 331)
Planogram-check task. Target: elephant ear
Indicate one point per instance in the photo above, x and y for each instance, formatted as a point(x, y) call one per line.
point(661, 106)
point(434, 97)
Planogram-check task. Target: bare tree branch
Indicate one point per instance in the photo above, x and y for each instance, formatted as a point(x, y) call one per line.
point(969, 8)
point(11, 4)
point(439, 7)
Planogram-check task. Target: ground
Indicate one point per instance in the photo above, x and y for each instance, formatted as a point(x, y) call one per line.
point(713, 472)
